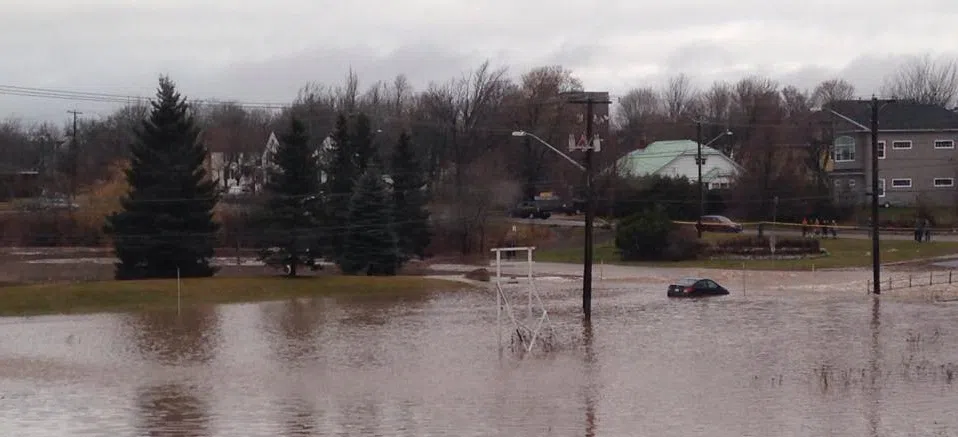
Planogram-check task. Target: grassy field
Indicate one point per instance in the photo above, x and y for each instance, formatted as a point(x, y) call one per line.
point(843, 253)
point(111, 296)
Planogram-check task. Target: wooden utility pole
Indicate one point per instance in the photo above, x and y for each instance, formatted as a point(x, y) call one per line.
point(74, 158)
point(698, 163)
point(590, 100)
point(876, 106)
point(74, 165)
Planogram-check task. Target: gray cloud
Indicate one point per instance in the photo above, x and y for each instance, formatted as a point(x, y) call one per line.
point(266, 51)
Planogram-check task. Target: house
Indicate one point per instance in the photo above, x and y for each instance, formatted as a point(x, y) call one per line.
point(917, 159)
point(677, 159)
point(232, 161)
point(17, 183)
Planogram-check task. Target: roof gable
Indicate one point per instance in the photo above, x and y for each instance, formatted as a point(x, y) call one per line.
point(897, 115)
point(658, 155)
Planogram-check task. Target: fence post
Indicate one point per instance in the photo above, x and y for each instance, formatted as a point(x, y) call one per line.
point(909, 280)
point(949, 276)
point(931, 278)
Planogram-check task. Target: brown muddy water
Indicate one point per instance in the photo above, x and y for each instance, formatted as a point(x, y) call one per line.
point(763, 365)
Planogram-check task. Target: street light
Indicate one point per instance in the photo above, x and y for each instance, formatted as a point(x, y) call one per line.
point(699, 161)
point(587, 255)
point(522, 133)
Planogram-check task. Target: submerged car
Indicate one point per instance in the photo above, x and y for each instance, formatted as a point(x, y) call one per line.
point(696, 287)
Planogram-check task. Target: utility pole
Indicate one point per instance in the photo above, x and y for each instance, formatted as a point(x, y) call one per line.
point(698, 162)
point(589, 99)
point(74, 157)
point(876, 254)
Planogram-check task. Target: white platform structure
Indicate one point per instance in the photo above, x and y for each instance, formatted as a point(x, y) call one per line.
point(536, 324)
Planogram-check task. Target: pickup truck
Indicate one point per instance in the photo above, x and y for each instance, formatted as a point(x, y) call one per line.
point(529, 209)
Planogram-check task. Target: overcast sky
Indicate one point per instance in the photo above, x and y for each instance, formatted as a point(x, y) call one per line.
point(265, 51)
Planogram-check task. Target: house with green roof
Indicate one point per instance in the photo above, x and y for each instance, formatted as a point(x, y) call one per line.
point(677, 159)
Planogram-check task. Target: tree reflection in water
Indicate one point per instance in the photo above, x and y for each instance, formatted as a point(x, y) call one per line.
point(172, 410)
point(293, 327)
point(168, 338)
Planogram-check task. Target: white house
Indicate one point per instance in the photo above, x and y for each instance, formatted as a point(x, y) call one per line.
point(677, 159)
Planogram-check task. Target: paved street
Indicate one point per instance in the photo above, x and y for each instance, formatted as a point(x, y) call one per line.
point(576, 221)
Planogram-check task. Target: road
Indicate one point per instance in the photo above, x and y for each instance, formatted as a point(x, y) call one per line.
point(576, 221)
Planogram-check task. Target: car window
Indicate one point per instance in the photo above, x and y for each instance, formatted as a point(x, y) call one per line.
point(687, 282)
point(710, 284)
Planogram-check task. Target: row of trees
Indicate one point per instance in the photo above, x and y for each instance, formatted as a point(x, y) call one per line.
point(461, 129)
point(363, 220)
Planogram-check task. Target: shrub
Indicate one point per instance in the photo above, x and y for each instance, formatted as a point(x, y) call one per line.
point(746, 245)
point(645, 235)
point(684, 244)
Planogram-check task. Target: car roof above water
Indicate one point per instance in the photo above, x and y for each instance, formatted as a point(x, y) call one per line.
point(687, 281)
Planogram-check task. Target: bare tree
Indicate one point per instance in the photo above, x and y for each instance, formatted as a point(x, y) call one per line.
point(455, 120)
point(678, 97)
point(717, 102)
point(832, 90)
point(536, 106)
point(347, 95)
point(638, 114)
point(925, 80)
point(795, 102)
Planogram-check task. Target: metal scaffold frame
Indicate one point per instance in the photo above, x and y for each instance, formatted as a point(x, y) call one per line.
point(526, 332)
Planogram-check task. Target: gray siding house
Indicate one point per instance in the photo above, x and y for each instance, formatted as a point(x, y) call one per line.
point(917, 158)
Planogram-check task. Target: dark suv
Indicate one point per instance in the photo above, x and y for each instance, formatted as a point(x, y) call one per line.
point(529, 209)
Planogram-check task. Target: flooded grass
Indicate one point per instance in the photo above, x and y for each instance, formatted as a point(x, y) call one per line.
point(843, 253)
point(112, 296)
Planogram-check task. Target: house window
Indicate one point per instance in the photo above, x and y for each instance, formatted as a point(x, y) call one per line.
point(901, 183)
point(881, 187)
point(881, 150)
point(944, 182)
point(900, 145)
point(944, 144)
point(838, 183)
point(844, 149)
point(851, 183)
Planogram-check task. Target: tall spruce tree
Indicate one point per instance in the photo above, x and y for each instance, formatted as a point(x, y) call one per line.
point(352, 154)
point(166, 222)
point(290, 225)
point(371, 245)
point(341, 175)
point(409, 199)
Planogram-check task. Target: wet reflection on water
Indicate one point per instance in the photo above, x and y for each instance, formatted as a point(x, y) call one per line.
point(169, 337)
point(172, 409)
point(758, 365)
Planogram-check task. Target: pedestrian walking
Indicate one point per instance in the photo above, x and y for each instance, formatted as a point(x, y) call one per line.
point(919, 229)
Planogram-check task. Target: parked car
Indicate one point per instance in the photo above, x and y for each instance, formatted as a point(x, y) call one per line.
point(573, 207)
point(529, 209)
point(719, 223)
point(696, 287)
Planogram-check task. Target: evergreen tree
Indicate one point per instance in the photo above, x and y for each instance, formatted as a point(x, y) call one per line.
point(409, 199)
point(166, 222)
point(290, 225)
point(352, 154)
point(371, 245)
point(341, 175)
point(361, 137)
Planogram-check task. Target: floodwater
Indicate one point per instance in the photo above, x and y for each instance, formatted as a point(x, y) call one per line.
point(762, 365)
